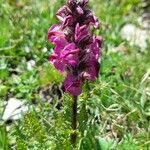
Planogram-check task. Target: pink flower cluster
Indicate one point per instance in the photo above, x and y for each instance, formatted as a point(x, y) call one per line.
point(76, 50)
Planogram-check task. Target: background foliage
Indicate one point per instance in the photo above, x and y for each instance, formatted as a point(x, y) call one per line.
point(113, 113)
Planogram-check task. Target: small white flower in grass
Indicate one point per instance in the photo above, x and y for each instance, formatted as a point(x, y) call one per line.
point(27, 49)
point(44, 50)
point(14, 109)
point(30, 65)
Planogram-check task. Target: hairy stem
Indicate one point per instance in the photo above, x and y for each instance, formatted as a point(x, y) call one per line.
point(74, 120)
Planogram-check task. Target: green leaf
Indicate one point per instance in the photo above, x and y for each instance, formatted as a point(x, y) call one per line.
point(48, 74)
point(3, 137)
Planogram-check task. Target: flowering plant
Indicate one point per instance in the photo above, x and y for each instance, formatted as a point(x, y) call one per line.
point(77, 50)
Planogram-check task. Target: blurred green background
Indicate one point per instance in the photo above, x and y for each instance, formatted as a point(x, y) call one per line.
point(114, 115)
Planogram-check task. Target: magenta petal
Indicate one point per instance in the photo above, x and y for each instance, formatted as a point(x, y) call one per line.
point(95, 22)
point(62, 13)
point(52, 58)
point(72, 62)
point(81, 32)
point(80, 10)
point(60, 43)
point(64, 16)
point(99, 40)
point(67, 49)
point(92, 71)
point(72, 85)
point(55, 31)
point(59, 66)
point(57, 37)
point(69, 55)
point(94, 49)
point(68, 21)
point(91, 19)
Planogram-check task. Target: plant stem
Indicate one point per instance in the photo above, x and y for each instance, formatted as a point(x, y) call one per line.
point(74, 120)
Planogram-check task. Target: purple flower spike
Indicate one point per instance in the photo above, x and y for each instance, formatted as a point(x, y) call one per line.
point(76, 51)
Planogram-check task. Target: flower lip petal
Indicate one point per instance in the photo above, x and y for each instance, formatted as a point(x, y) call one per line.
point(55, 31)
point(59, 66)
point(92, 71)
point(60, 43)
point(64, 14)
point(52, 57)
point(68, 21)
point(81, 32)
point(91, 19)
point(80, 10)
point(72, 85)
point(69, 55)
point(63, 11)
point(69, 49)
point(75, 51)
